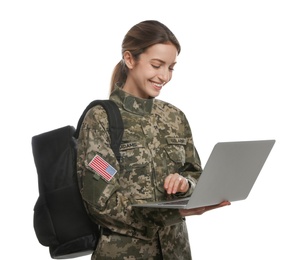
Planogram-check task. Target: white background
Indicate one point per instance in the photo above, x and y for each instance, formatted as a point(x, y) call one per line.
point(239, 77)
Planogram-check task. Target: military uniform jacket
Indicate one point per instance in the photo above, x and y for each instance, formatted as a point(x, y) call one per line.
point(157, 141)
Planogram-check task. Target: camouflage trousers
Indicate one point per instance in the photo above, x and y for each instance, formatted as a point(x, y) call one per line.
point(171, 243)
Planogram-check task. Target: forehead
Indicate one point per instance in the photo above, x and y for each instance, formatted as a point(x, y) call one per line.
point(165, 52)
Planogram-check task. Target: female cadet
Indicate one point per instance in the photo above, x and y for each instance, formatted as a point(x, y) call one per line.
point(157, 142)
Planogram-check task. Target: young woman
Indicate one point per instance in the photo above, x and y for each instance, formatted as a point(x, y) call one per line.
point(158, 157)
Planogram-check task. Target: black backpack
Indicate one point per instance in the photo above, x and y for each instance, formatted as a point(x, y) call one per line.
point(60, 218)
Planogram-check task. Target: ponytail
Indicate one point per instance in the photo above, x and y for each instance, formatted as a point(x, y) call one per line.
point(119, 75)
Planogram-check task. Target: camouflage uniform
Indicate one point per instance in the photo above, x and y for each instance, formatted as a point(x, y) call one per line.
point(157, 141)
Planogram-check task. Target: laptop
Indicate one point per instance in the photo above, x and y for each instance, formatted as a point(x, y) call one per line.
point(229, 174)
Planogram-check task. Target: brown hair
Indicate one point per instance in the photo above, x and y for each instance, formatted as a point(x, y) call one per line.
point(137, 40)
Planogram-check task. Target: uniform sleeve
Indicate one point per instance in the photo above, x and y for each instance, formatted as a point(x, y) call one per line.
point(96, 187)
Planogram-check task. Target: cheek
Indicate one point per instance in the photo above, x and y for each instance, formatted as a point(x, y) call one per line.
point(170, 76)
point(150, 72)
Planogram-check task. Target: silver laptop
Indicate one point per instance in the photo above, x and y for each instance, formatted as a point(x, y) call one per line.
point(229, 174)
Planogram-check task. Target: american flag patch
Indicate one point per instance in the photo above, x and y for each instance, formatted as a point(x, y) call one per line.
point(103, 168)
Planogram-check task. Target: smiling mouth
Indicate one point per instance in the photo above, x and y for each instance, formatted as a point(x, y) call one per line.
point(158, 85)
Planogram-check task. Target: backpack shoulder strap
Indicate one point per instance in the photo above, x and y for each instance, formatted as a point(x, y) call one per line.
point(116, 126)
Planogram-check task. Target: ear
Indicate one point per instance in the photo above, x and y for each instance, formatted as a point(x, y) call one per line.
point(128, 58)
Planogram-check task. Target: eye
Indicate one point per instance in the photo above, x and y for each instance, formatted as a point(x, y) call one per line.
point(155, 66)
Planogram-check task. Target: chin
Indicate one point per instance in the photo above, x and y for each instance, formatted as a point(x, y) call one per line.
point(154, 94)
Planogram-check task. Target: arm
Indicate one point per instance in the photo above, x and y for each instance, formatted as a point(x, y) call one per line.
point(94, 140)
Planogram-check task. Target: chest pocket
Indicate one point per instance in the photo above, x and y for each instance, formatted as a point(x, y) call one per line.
point(134, 155)
point(172, 158)
point(175, 150)
point(135, 170)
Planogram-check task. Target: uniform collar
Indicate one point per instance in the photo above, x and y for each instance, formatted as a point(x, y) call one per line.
point(131, 103)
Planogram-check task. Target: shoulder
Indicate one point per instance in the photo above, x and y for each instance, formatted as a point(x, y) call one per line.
point(95, 116)
point(167, 108)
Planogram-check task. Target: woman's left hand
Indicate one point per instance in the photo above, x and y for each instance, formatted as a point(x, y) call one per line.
point(199, 211)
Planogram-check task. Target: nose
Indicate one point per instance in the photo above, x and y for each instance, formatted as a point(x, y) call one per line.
point(165, 75)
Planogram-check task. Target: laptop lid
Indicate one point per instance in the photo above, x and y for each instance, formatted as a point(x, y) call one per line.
point(229, 174)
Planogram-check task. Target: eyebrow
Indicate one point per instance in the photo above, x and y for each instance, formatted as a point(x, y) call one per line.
point(156, 59)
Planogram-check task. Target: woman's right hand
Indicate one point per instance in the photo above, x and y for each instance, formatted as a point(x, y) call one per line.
point(201, 210)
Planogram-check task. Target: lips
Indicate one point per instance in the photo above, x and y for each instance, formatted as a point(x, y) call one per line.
point(158, 85)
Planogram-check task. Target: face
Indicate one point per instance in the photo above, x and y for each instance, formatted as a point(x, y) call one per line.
point(151, 72)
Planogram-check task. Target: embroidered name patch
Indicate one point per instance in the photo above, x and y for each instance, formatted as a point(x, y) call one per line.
point(181, 141)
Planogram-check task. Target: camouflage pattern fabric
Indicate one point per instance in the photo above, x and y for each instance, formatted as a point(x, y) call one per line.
point(175, 246)
point(157, 141)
